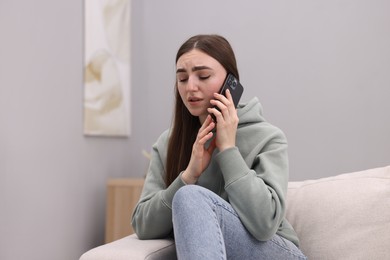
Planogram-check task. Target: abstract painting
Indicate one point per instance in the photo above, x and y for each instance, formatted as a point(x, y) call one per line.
point(107, 68)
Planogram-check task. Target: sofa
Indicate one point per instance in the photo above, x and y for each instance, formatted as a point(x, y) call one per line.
point(346, 216)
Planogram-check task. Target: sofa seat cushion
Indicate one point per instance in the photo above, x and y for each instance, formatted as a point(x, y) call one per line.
point(342, 217)
point(131, 247)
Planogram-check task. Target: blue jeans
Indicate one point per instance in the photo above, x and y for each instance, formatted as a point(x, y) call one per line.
point(207, 227)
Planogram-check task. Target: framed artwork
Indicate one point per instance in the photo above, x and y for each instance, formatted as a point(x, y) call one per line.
point(107, 67)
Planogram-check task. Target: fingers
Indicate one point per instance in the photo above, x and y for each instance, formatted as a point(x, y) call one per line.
point(208, 125)
point(224, 99)
point(229, 96)
point(225, 105)
point(212, 146)
point(205, 133)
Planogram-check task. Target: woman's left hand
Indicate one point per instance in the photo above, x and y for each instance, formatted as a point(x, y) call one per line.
point(227, 120)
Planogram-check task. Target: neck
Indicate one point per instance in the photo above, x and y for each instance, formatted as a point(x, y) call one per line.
point(202, 119)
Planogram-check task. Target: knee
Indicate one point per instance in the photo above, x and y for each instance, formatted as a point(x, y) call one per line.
point(187, 195)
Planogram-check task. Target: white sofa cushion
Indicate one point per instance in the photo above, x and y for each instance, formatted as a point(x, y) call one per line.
point(131, 247)
point(343, 217)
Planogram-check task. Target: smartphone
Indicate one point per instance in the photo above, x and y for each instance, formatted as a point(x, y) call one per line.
point(235, 89)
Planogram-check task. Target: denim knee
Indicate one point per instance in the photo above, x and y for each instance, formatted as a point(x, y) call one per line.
point(190, 196)
point(185, 193)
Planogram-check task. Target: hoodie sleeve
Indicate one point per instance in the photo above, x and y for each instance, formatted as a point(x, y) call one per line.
point(152, 217)
point(257, 191)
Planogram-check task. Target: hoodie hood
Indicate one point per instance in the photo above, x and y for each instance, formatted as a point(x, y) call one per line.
point(250, 112)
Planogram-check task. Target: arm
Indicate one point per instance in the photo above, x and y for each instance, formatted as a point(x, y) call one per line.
point(152, 217)
point(257, 192)
point(256, 185)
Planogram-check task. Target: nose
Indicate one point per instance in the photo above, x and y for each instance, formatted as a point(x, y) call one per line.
point(192, 84)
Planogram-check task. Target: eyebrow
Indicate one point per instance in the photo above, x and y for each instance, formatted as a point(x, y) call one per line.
point(196, 68)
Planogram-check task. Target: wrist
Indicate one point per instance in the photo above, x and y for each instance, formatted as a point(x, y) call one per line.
point(187, 178)
point(225, 147)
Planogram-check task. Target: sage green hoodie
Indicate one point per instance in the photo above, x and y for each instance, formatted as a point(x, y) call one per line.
point(252, 177)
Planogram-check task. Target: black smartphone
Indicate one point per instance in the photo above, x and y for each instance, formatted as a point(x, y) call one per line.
point(235, 89)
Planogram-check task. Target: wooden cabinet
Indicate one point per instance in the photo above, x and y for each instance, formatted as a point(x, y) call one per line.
point(122, 196)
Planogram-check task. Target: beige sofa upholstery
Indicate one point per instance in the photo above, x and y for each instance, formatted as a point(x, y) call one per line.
point(342, 217)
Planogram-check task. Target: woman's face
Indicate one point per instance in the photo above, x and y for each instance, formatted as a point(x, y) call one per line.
point(198, 77)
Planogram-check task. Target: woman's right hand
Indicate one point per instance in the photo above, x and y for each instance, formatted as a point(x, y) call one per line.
point(200, 156)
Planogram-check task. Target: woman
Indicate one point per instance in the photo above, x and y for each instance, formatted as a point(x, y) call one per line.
point(239, 165)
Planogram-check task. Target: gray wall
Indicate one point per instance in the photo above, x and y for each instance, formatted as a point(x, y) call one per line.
point(320, 69)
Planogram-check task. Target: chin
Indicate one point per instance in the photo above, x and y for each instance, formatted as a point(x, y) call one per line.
point(193, 111)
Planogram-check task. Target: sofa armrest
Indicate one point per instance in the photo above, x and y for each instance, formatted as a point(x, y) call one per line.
point(131, 247)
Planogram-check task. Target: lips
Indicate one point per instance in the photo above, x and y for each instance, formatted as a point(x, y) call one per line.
point(194, 99)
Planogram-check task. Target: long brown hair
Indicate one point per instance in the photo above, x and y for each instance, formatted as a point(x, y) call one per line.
point(186, 126)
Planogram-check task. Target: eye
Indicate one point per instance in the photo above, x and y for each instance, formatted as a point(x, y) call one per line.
point(182, 79)
point(202, 77)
